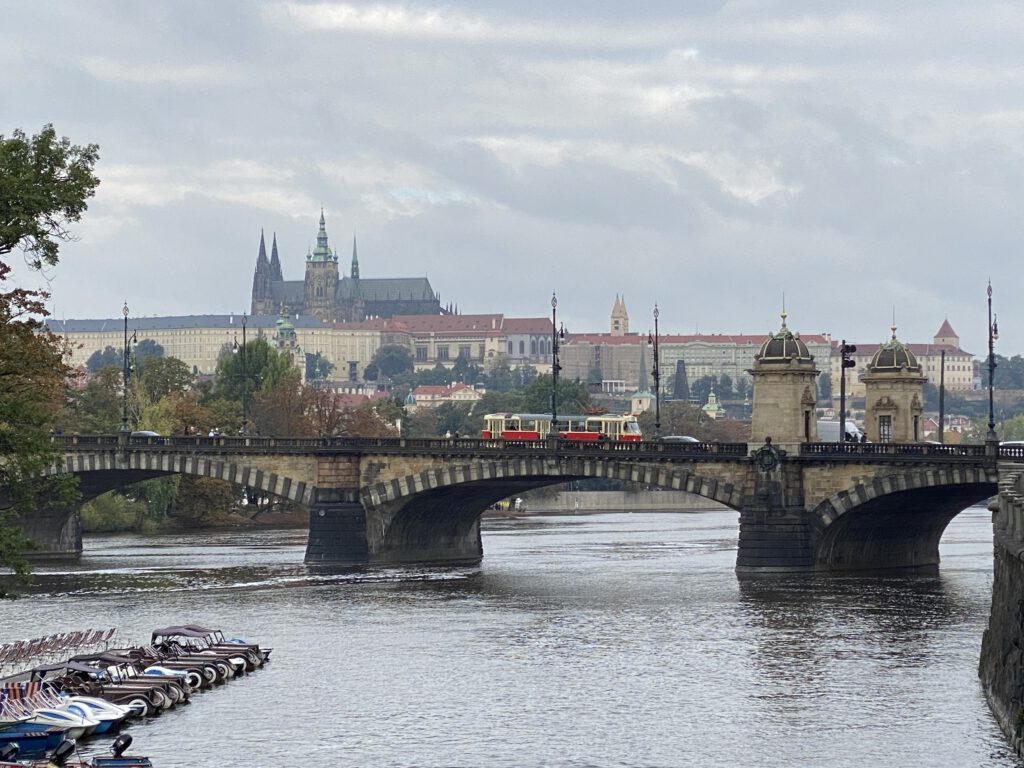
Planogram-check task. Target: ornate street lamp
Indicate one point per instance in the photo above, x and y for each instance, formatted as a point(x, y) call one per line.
point(245, 382)
point(555, 367)
point(656, 373)
point(993, 334)
point(125, 374)
point(845, 350)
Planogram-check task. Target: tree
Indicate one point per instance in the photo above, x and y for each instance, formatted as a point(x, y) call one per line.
point(265, 368)
point(146, 348)
point(44, 185)
point(99, 360)
point(573, 397)
point(160, 376)
point(318, 367)
point(392, 359)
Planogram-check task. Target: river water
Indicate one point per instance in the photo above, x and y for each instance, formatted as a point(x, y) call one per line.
point(606, 640)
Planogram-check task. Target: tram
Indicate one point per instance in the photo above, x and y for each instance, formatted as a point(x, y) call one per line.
point(537, 426)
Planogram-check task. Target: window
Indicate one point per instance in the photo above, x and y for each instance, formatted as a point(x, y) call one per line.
point(533, 347)
point(522, 347)
point(510, 347)
point(421, 352)
point(464, 351)
point(442, 352)
point(885, 429)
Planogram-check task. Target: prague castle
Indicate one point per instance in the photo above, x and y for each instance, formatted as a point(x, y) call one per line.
point(331, 298)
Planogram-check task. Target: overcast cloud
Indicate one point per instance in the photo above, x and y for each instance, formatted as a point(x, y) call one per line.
point(710, 159)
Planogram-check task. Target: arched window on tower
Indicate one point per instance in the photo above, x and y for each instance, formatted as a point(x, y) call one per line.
point(533, 347)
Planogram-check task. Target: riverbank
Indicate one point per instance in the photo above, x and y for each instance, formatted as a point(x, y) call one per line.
point(1001, 667)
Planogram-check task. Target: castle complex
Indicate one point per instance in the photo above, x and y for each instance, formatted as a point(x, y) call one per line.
point(331, 298)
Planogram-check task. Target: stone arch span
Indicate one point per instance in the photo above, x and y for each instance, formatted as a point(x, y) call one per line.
point(105, 471)
point(896, 520)
point(435, 514)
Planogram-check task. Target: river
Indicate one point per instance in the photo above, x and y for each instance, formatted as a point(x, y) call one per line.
point(604, 640)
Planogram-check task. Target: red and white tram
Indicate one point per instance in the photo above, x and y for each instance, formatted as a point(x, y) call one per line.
point(537, 426)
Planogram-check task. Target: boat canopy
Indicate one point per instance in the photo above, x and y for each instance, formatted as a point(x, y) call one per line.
point(185, 630)
point(66, 666)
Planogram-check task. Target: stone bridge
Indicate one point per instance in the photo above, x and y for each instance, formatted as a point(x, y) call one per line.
point(811, 506)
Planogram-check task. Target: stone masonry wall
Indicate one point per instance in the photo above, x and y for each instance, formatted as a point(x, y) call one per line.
point(1002, 648)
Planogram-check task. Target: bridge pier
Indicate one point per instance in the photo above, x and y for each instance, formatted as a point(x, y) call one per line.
point(337, 531)
point(775, 530)
point(56, 531)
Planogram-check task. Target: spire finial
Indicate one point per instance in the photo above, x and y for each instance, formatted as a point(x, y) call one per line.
point(783, 314)
point(893, 326)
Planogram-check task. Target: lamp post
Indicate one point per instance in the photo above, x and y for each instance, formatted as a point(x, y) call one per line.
point(845, 350)
point(555, 367)
point(125, 373)
point(245, 384)
point(942, 396)
point(993, 334)
point(656, 373)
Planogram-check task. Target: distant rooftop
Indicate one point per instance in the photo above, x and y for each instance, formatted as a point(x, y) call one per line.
point(174, 322)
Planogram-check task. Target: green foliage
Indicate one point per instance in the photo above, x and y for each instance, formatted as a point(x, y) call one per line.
point(13, 545)
point(146, 349)
point(112, 512)
point(679, 417)
point(108, 357)
point(318, 367)
point(44, 185)
point(96, 409)
point(499, 379)
point(263, 366)
point(573, 397)
point(392, 359)
point(159, 376)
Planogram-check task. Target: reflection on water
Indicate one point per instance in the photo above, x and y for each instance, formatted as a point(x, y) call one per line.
point(592, 640)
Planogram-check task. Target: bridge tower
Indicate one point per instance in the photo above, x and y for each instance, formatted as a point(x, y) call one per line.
point(893, 388)
point(785, 386)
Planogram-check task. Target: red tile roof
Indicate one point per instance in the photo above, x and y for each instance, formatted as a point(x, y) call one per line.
point(450, 323)
point(946, 330)
point(541, 325)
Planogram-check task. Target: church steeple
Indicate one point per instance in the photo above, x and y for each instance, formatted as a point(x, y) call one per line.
point(275, 262)
point(322, 252)
point(620, 317)
point(262, 264)
point(355, 259)
point(261, 293)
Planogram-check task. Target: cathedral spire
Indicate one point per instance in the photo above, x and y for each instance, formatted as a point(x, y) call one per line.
point(322, 252)
point(275, 262)
point(261, 291)
point(355, 259)
point(261, 260)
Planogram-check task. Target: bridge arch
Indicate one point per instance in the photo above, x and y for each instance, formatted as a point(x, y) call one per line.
point(444, 504)
point(104, 471)
point(896, 520)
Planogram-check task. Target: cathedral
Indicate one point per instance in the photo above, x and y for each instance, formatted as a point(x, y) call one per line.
point(331, 298)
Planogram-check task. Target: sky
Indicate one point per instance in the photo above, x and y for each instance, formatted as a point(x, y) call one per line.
point(856, 161)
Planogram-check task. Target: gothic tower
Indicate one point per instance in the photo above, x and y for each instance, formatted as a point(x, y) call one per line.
point(275, 262)
point(620, 317)
point(355, 311)
point(321, 277)
point(262, 299)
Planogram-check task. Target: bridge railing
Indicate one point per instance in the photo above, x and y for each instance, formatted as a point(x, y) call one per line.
point(929, 450)
point(260, 444)
point(707, 451)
